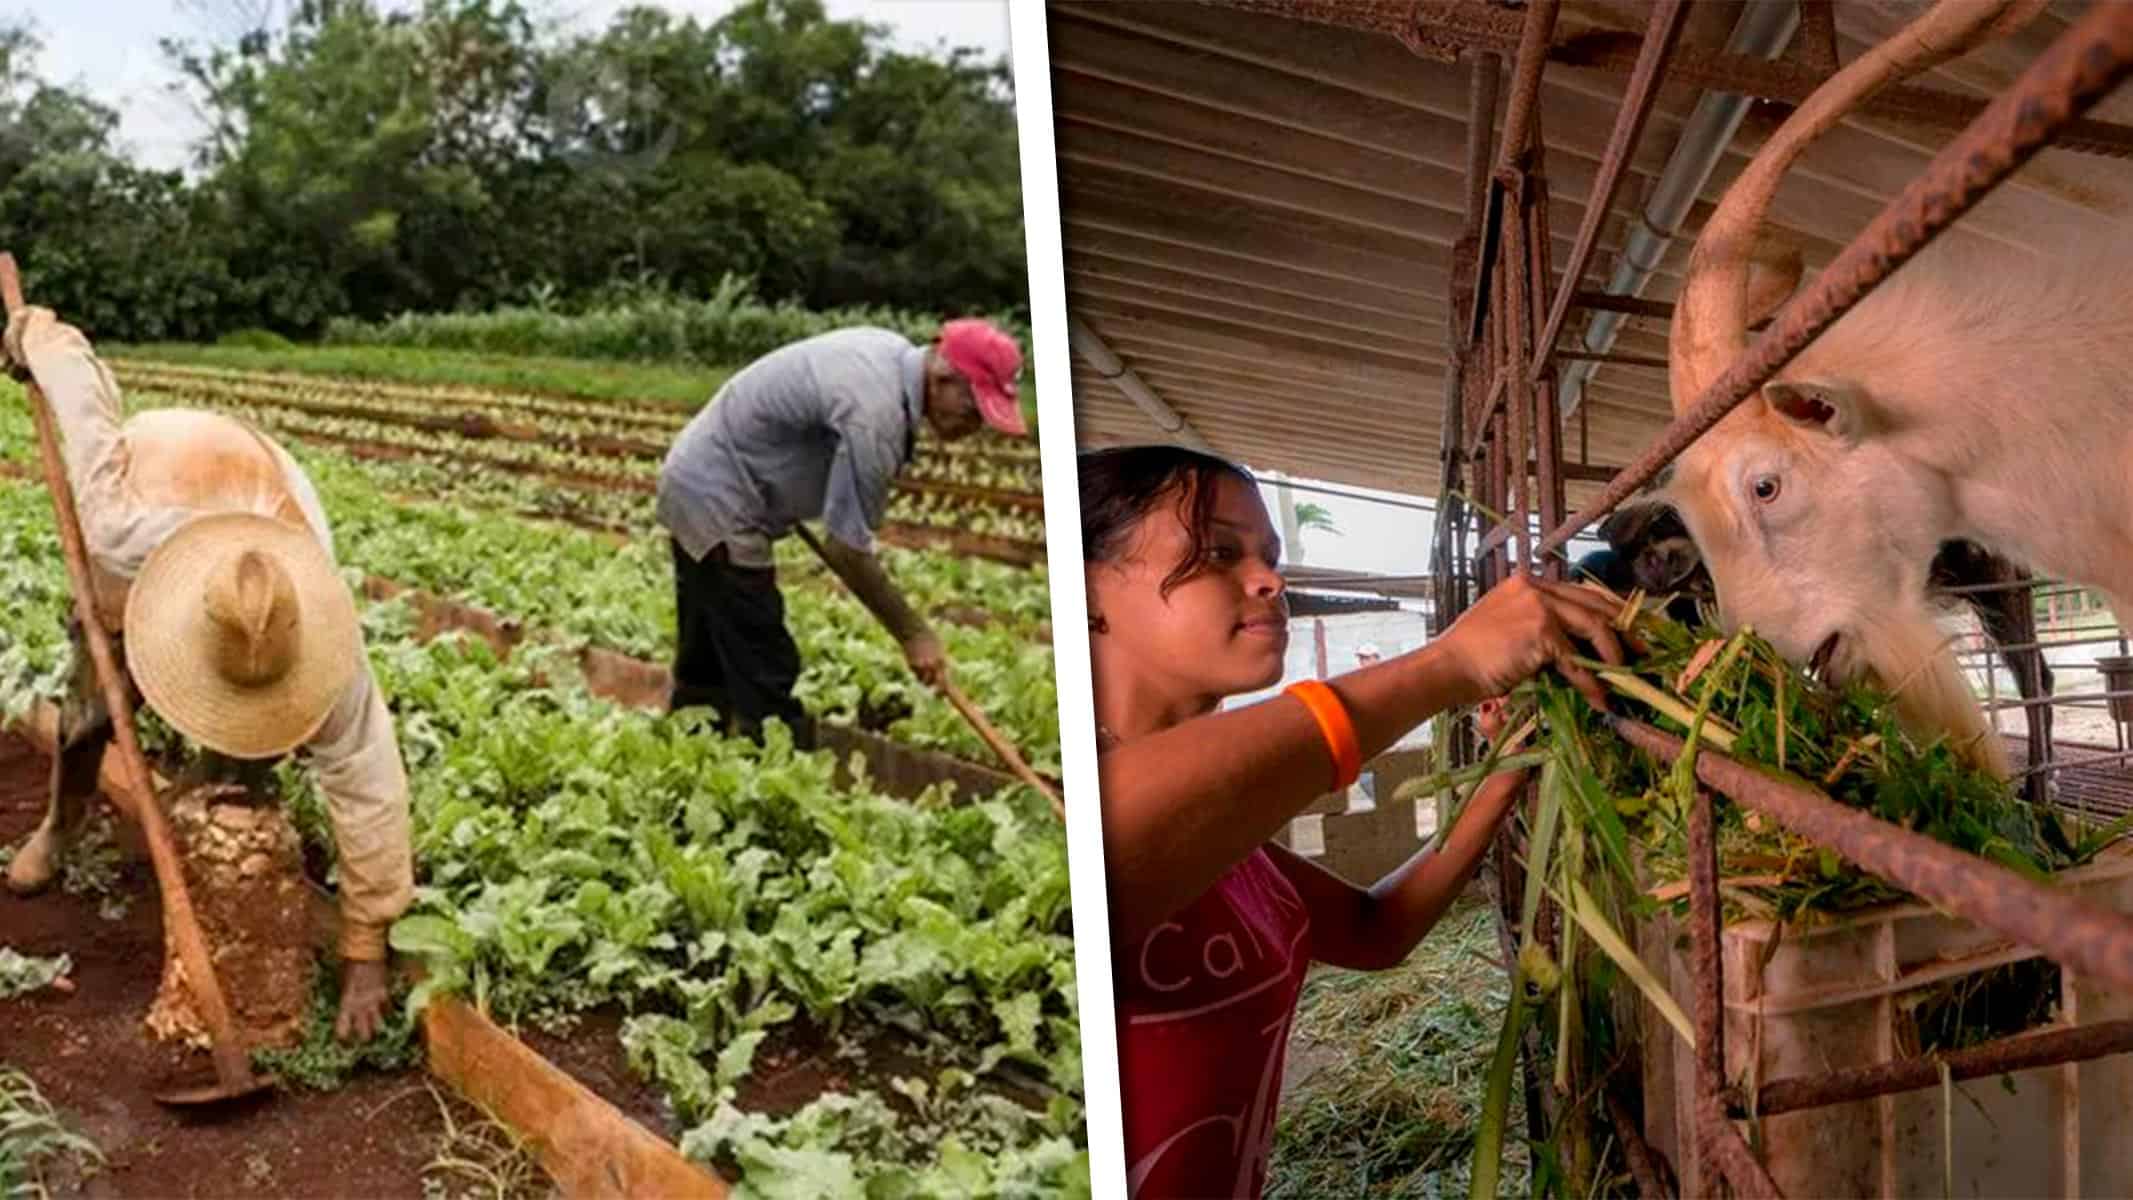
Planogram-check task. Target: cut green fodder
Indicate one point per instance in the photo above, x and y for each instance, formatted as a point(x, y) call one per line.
point(1771, 714)
point(1607, 844)
point(1387, 1069)
point(37, 1146)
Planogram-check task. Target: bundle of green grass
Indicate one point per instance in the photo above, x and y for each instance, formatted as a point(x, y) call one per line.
point(1738, 695)
point(1607, 842)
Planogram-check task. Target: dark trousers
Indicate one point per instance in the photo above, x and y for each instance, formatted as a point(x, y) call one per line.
point(733, 653)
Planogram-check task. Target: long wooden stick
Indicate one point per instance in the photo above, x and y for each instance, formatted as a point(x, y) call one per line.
point(179, 920)
point(991, 736)
point(1000, 745)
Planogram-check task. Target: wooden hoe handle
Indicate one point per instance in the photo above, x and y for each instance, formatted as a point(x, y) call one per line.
point(991, 736)
point(1000, 745)
point(179, 920)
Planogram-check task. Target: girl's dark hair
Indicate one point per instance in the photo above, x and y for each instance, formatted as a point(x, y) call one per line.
point(1122, 484)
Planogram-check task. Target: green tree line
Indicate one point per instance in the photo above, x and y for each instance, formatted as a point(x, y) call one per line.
point(363, 160)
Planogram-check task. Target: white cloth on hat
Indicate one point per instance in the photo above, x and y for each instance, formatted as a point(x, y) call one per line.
point(134, 484)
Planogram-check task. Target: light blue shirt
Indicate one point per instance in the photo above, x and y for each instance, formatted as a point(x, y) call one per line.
point(817, 429)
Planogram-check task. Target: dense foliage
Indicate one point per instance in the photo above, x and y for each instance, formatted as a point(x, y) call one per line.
point(572, 853)
point(365, 161)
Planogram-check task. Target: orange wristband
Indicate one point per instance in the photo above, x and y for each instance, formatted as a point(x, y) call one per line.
point(1334, 725)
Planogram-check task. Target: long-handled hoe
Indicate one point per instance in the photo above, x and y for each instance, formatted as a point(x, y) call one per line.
point(233, 1068)
point(991, 736)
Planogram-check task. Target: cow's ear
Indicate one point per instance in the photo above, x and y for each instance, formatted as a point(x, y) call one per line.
point(1627, 525)
point(1832, 408)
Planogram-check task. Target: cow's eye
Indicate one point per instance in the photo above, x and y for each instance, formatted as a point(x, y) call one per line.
point(1766, 488)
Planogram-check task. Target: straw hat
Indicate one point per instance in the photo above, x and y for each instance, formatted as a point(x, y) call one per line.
point(240, 633)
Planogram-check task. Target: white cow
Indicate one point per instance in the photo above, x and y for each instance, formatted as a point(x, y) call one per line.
point(1976, 395)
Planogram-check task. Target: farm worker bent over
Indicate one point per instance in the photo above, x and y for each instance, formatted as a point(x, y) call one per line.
point(816, 429)
point(212, 565)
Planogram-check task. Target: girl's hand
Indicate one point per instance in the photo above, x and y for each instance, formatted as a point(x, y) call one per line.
point(1524, 624)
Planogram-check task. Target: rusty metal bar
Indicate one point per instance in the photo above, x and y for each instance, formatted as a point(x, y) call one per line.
point(1491, 406)
point(1818, 36)
point(1535, 30)
point(1723, 1146)
point(1574, 472)
point(1499, 482)
point(1495, 426)
point(2078, 69)
point(1443, 30)
point(1661, 33)
point(1450, 540)
point(1645, 1165)
point(1552, 469)
point(1547, 419)
point(1516, 278)
point(2022, 1052)
point(1708, 974)
point(1480, 128)
point(2069, 930)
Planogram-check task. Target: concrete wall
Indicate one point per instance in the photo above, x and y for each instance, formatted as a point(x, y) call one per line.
point(1393, 633)
point(1361, 838)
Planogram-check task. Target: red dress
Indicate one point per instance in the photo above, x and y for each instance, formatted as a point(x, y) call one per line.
point(1204, 1007)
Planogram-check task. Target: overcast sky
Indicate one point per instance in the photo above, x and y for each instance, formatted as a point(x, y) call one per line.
point(110, 47)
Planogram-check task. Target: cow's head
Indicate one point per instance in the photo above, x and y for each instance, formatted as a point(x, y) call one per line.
point(1814, 531)
point(1820, 538)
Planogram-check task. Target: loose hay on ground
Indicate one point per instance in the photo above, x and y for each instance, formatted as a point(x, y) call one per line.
point(1386, 1071)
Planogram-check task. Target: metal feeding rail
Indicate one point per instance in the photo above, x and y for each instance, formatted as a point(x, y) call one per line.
point(1501, 413)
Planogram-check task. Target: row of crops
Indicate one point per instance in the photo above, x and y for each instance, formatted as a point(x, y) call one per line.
point(579, 858)
point(988, 462)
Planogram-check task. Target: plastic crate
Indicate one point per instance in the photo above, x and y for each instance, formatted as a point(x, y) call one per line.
point(1833, 996)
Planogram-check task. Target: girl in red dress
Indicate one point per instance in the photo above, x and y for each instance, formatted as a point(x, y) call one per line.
point(1213, 925)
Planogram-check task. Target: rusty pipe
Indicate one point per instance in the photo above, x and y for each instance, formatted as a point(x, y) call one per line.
point(2022, 1052)
point(2077, 70)
point(1535, 33)
point(1537, 29)
point(1707, 969)
point(1661, 33)
point(1646, 1166)
point(1723, 1146)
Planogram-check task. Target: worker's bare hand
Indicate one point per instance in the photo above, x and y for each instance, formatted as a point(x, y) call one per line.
point(928, 658)
point(363, 1000)
point(1527, 623)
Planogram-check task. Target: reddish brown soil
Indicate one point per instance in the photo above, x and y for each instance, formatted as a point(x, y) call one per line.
point(795, 1064)
point(90, 1055)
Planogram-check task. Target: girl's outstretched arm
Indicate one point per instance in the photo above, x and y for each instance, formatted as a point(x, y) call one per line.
point(1183, 806)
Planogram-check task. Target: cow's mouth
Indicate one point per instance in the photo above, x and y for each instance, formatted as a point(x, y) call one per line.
point(1818, 664)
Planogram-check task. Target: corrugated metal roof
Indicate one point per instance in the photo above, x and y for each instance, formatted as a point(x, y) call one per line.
point(1260, 212)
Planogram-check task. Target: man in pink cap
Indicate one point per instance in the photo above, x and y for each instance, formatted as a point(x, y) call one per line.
point(815, 430)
